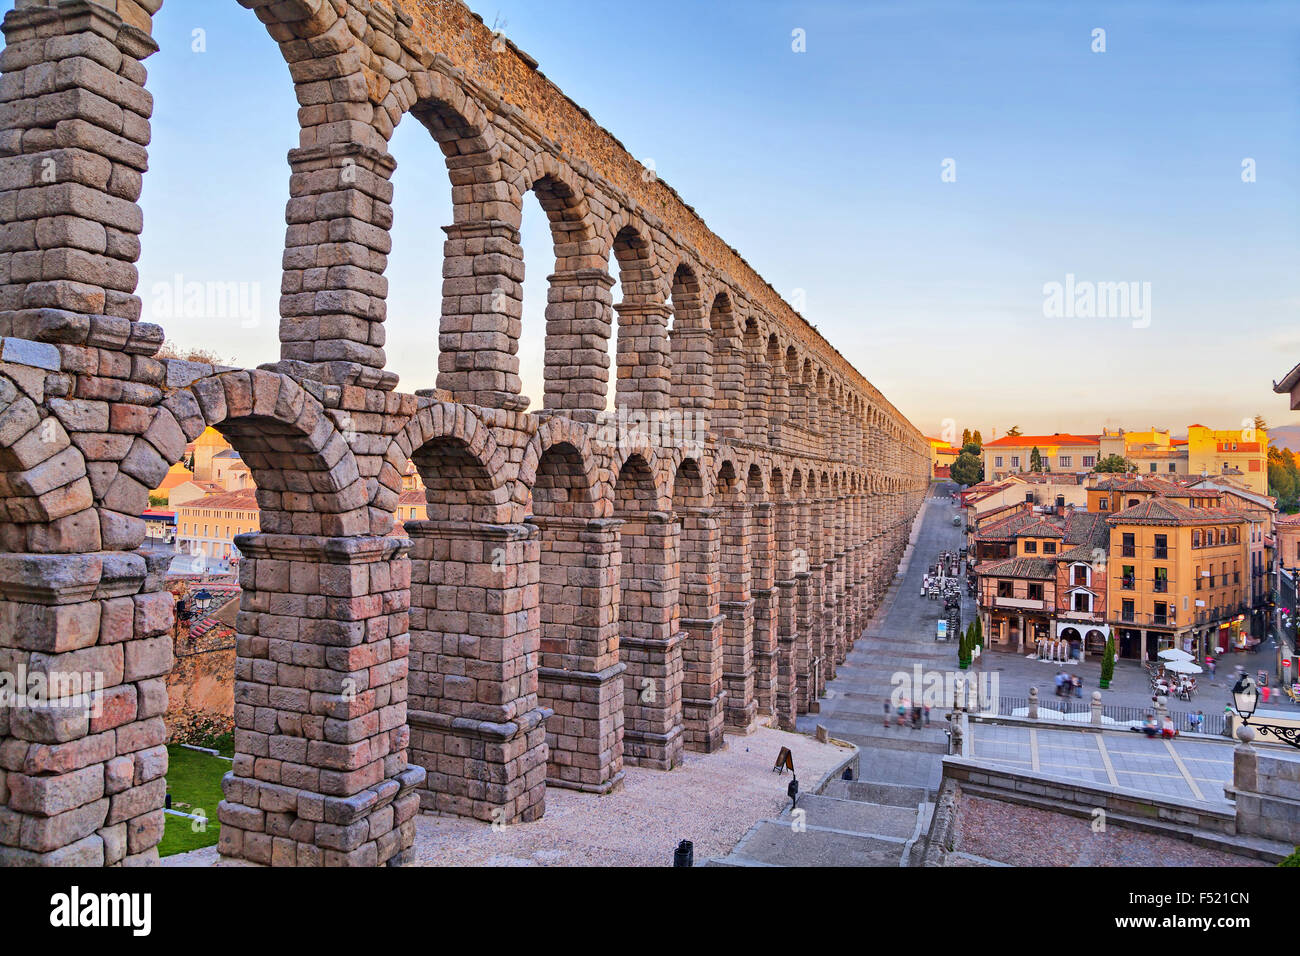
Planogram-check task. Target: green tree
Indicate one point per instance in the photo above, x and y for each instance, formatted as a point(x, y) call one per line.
point(1108, 662)
point(971, 448)
point(977, 438)
point(157, 501)
point(1035, 460)
point(967, 470)
point(1116, 464)
point(965, 437)
point(978, 627)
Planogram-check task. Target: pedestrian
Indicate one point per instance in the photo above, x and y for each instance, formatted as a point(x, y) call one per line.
point(888, 708)
point(927, 715)
point(1210, 664)
point(1077, 685)
point(792, 791)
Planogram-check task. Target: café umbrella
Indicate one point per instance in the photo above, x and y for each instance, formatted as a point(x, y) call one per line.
point(1174, 654)
point(1183, 667)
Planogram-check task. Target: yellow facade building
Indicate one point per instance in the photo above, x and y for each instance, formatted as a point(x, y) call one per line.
point(1178, 577)
point(1241, 455)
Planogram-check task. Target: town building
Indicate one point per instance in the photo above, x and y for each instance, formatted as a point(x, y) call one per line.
point(1058, 452)
point(1179, 578)
point(207, 526)
point(942, 456)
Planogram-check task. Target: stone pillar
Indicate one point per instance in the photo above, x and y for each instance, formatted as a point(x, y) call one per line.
point(581, 677)
point(332, 305)
point(643, 382)
point(766, 604)
point(482, 313)
point(578, 314)
point(650, 641)
point(320, 776)
point(82, 769)
point(786, 693)
point(738, 628)
point(692, 373)
point(729, 395)
point(758, 401)
point(703, 694)
point(476, 724)
point(75, 124)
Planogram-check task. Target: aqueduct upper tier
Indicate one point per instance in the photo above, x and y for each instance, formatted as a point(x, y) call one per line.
point(589, 589)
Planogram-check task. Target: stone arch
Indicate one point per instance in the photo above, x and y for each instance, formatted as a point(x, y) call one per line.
point(569, 446)
point(46, 503)
point(306, 475)
point(448, 442)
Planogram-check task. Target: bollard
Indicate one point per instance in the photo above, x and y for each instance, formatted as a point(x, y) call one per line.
point(684, 855)
point(1033, 703)
point(1096, 707)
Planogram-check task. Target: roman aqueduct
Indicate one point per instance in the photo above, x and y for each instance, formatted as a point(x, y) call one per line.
point(579, 598)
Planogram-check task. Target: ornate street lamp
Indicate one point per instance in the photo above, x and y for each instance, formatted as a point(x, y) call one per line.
point(202, 600)
point(1245, 698)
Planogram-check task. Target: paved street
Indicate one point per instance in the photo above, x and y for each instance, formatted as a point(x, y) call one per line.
point(900, 636)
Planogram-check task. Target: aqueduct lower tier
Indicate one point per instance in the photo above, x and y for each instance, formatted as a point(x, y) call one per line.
point(582, 595)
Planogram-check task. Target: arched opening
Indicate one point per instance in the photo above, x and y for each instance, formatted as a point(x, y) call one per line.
point(638, 343)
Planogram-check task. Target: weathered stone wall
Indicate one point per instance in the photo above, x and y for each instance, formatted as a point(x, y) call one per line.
point(586, 593)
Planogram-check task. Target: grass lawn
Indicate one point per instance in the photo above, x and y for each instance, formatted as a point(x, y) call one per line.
point(193, 778)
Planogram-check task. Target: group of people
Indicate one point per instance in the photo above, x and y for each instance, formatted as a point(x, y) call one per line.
point(1159, 728)
point(1068, 685)
point(919, 714)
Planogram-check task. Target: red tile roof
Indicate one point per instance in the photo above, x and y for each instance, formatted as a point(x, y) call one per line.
point(1018, 441)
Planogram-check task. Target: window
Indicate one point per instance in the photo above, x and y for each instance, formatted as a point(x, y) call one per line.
point(1006, 589)
point(1015, 461)
point(1126, 612)
point(1129, 549)
point(1198, 577)
point(1035, 592)
point(1081, 575)
point(1160, 613)
point(1030, 547)
point(1082, 601)
point(1065, 460)
point(1049, 547)
point(1132, 502)
point(1172, 468)
point(1196, 539)
point(1089, 461)
point(997, 461)
point(1236, 573)
point(1162, 547)
point(1161, 581)
point(1234, 537)
point(1104, 505)
point(1127, 577)
point(1153, 466)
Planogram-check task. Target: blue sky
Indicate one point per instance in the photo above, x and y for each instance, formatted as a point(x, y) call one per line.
point(823, 169)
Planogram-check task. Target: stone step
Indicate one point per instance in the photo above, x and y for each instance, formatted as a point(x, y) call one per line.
point(885, 794)
point(857, 816)
point(776, 843)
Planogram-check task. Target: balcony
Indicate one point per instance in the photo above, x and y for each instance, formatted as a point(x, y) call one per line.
point(1147, 619)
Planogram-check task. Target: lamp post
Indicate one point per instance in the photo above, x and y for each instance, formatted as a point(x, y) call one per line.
point(1245, 698)
point(202, 600)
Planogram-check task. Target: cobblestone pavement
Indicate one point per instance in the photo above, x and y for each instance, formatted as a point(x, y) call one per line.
point(990, 831)
point(711, 800)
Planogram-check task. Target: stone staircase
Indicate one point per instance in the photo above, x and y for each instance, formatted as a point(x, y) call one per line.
point(851, 823)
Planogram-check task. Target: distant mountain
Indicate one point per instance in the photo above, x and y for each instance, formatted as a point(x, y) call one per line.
point(1285, 436)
